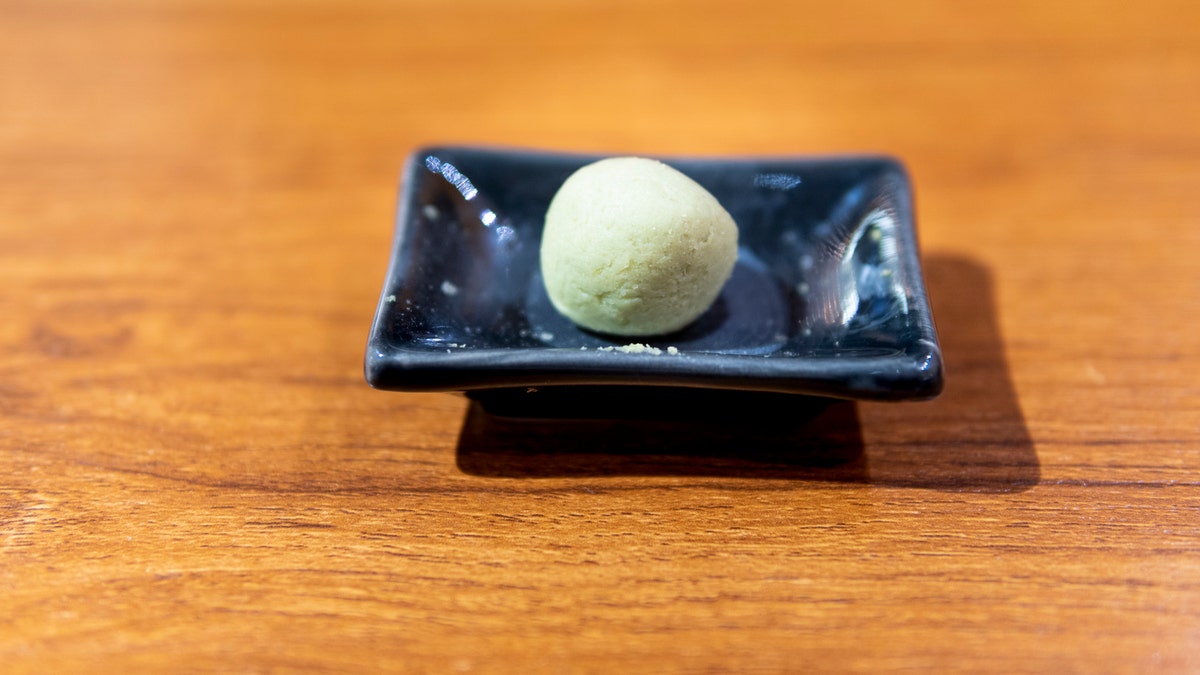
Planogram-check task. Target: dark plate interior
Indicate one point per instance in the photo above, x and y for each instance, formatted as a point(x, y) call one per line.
point(826, 298)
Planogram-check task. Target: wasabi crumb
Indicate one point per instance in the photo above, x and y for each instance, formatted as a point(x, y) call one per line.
point(638, 348)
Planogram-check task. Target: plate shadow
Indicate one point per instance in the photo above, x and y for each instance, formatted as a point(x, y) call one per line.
point(611, 431)
point(973, 438)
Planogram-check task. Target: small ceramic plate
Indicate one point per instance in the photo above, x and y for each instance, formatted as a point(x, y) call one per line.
point(826, 298)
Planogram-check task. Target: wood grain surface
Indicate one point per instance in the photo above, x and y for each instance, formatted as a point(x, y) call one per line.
point(195, 214)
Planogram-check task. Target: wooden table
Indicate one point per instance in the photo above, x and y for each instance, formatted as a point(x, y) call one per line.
point(196, 205)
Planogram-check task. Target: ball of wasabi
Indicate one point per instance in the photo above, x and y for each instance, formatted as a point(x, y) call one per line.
point(633, 247)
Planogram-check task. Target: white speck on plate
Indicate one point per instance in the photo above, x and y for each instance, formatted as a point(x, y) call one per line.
point(430, 211)
point(449, 288)
point(634, 348)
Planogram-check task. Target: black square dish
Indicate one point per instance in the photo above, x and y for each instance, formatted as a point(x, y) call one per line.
point(826, 298)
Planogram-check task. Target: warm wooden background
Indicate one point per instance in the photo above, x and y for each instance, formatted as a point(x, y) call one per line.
point(195, 212)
